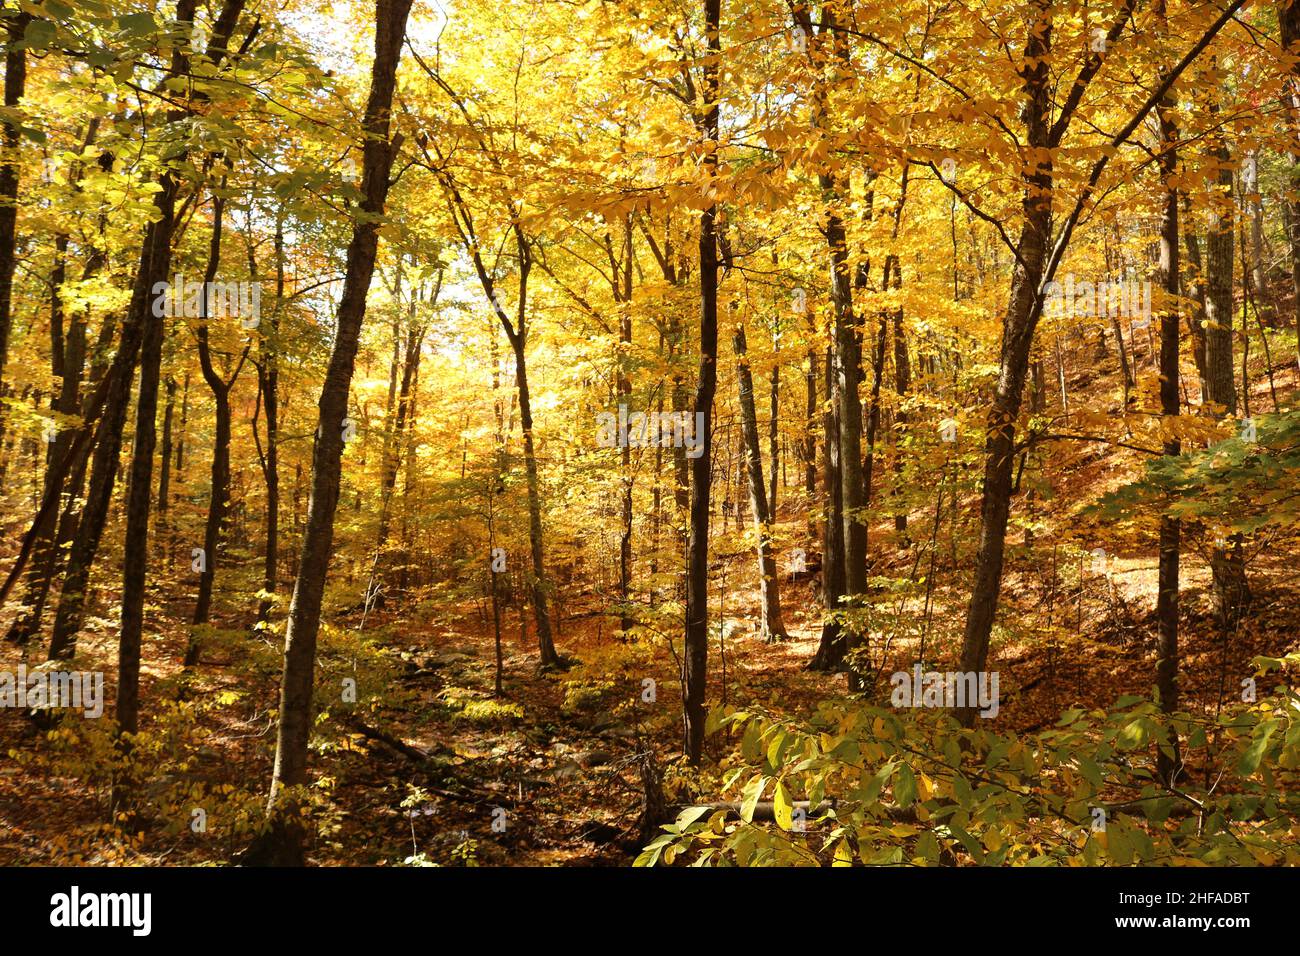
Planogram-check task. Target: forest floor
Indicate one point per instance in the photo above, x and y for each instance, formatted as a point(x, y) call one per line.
point(548, 774)
point(431, 765)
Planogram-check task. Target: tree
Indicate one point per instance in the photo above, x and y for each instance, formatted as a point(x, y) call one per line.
point(695, 658)
point(771, 627)
point(283, 842)
point(1167, 595)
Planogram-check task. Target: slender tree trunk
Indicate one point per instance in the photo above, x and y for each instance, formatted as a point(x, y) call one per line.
point(1193, 286)
point(832, 646)
point(771, 628)
point(774, 426)
point(184, 429)
point(696, 653)
point(219, 497)
point(547, 656)
point(165, 451)
point(623, 297)
point(1168, 762)
point(283, 844)
point(1017, 339)
point(811, 416)
point(902, 385)
point(1289, 19)
point(1229, 573)
point(268, 373)
point(135, 544)
point(15, 85)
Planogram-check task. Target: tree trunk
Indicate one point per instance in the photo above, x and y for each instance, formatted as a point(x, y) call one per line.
point(15, 85)
point(283, 844)
point(135, 545)
point(219, 496)
point(771, 628)
point(165, 451)
point(1289, 19)
point(1226, 563)
point(1017, 338)
point(68, 357)
point(547, 656)
point(831, 648)
point(696, 652)
point(1193, 286)
point(774, 426)
point(1168, 761)
point(902, 385)
point(623, 297)
point(811, 416)
point(268, 373)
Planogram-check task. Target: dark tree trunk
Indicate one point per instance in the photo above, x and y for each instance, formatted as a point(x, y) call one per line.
point(902, 385)
point(268, 380)
point(1289, 19)
point(1167, 597)
point(1226, 563)
point(773, 429)
point(135, 562)
point(15, 85)
point(771, 628)
point(696, 654)
point(831, 649)
point(219, 497)
point(811, 416)
point(283, 844)
point(1017, 338)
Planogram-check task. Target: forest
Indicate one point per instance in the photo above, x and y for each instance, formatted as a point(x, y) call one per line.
point(650, 433)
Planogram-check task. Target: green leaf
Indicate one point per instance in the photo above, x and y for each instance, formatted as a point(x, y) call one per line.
point(905, 787)
point(1091, 772)
point(39, 34)
point(1253, 754)
point(927, 847)
point(137, 24)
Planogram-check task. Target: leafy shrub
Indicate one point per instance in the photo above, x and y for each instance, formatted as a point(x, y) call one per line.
point(914, 788)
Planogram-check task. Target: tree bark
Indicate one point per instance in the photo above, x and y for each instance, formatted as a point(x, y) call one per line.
point(268, 380)
point(771, 628)
point(283, 844)
point(214, 529)
point(774, 427)
point(15, 86)
point(1226, 563)
point(696, 653)
point(1017, 338)
point(1168, 762)
point(1289, 20)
